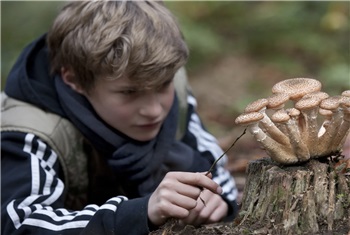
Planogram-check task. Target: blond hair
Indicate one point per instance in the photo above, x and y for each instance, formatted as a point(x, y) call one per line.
point(139, 40)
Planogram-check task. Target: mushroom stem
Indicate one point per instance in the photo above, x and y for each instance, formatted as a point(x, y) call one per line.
point(311, 125)
point(341, 136)
point(273, 131)
point(278, 152)
point(308, 123)
point(325, 142)
point(267, 125)
point(300, 149)
point(343, 130)
point(327, 118)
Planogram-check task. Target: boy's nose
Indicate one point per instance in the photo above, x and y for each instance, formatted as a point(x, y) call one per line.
point(151, 106)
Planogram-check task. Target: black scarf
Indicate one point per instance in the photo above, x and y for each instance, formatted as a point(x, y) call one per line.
point(142, 163)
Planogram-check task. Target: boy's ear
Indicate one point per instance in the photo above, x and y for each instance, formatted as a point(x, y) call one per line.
point(68, 77)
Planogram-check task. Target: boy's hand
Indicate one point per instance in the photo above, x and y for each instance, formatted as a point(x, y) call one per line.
point(214, 210)
point(177, 196)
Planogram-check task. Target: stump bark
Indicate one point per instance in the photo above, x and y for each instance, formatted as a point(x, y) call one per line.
point(303, 199)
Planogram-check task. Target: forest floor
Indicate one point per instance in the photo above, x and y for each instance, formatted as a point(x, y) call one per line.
point(173, 228)
point(222, 91)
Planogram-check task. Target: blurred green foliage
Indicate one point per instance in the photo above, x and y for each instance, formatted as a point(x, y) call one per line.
point(301, 38)
point(298, 37)
point(22, 22)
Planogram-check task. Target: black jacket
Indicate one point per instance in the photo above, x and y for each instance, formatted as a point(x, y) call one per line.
point(32, 181)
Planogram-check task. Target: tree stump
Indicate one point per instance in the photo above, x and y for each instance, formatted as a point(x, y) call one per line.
point(303, 199)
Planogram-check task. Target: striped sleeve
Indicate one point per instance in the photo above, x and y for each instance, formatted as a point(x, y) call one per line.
point(32, 194)
point(206, 144)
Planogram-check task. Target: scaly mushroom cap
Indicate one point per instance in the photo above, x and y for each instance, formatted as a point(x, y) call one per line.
point(248, 118)
point(331, 103)
point(318, 94)
point(345, 101)
point(281, 116)
point(325, 112)
point(346, 93)
point(345, 104)
point(293, 112)
point(256, 106)
point(297, 87)
point(277, 100)
point(307, 103)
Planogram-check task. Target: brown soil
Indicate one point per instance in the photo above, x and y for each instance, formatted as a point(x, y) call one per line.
point(222, 91)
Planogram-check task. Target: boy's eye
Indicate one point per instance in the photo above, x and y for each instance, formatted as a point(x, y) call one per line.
point(128, 92)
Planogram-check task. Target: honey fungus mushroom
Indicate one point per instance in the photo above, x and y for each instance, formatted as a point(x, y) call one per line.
point(344, 128)
point(325, 141)
point(267, 125)
point(287, 118)
point(296, 88)
point(317, 125)
point(308, 106)
point(281, 153)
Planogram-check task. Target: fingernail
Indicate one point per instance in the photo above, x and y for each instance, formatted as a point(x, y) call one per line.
point(219, 190)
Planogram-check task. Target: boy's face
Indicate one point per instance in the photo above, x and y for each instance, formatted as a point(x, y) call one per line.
point(138, 113)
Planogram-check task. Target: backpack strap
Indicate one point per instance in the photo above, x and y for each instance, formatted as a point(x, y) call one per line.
point(182, 88)
point(58, 133)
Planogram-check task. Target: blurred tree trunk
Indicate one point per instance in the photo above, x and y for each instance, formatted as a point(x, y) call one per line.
point(295, 199)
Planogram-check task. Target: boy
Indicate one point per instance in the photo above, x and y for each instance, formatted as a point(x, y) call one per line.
point(91, 137)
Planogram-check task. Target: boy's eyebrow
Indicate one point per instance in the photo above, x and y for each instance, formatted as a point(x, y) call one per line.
point(137, 87)
point(128, 87)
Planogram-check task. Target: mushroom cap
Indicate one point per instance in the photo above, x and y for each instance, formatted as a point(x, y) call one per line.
point(293, 112)
point(325, 112)
point(345, 101)
point(249, 118)
point(331, 103)
point(307, 103)
point(277, 100)
point(256, 105)
point(297, 87)
point(346, 93)
point(280, 116)
point(345, 104)
point(317, 94)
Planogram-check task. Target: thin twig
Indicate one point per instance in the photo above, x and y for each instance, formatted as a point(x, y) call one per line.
point(218, 159)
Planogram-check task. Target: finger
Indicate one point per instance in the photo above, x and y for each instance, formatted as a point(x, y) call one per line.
point(192, 218)
point(215, 209)
point(189, 191)
point(200, 180)
point(208, 174)
point(219, 213)
point(196, 216)
point(184, 202)
point(178, 199)
point(174, 211)
point(161, 207)
point(213, 201)
point(173, 184)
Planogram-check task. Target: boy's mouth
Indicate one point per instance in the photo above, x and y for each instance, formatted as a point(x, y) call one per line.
point(150, 125)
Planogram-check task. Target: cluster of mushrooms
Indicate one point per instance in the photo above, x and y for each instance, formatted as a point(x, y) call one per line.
point(298, 121)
